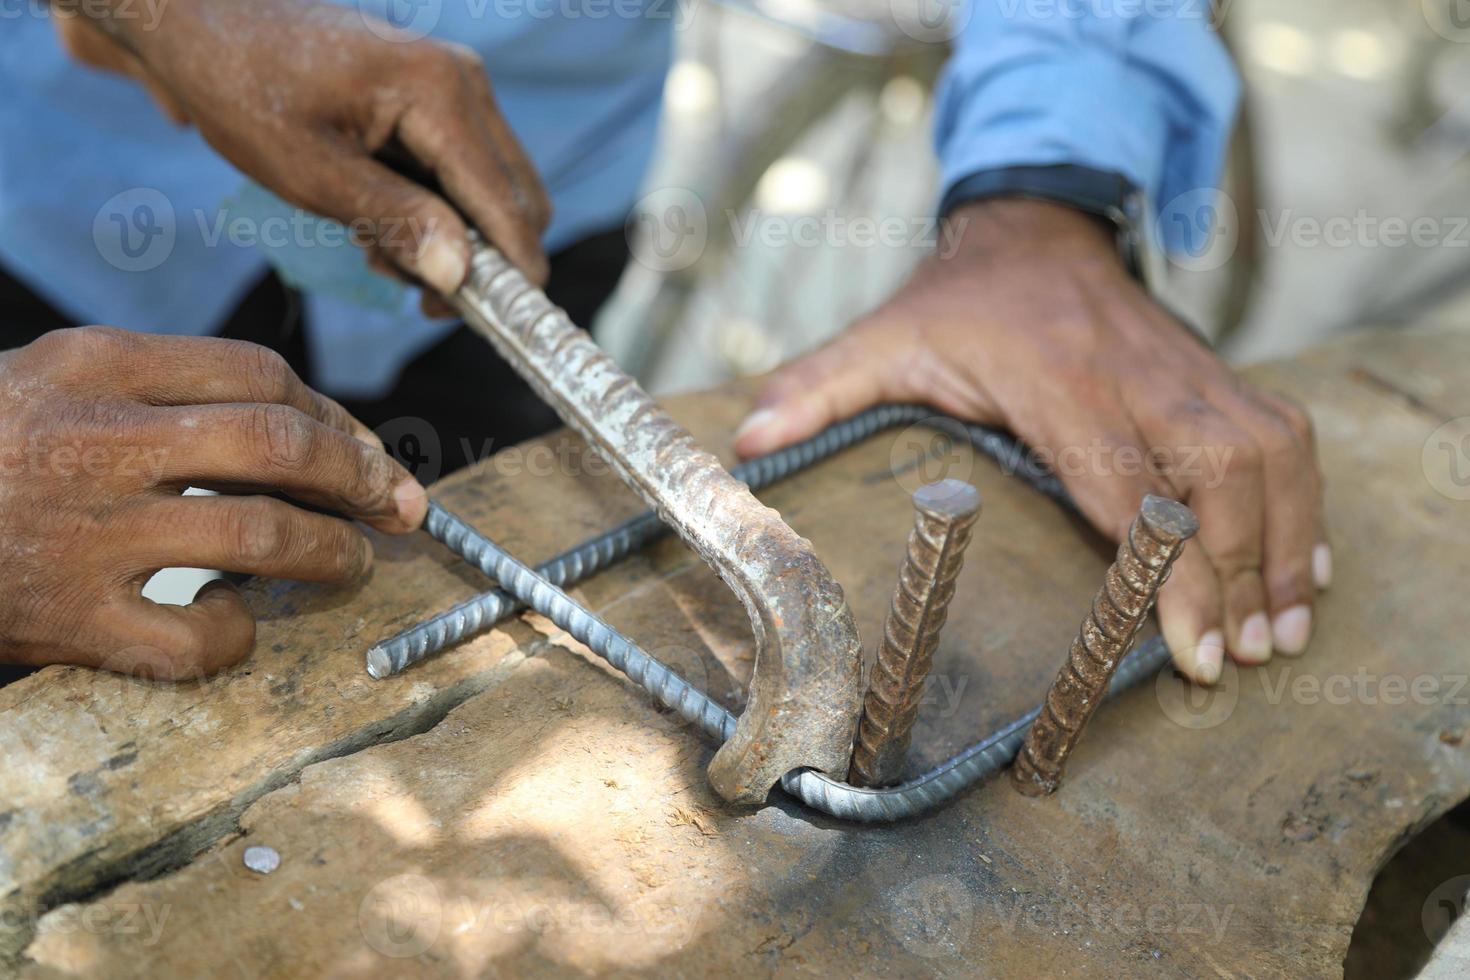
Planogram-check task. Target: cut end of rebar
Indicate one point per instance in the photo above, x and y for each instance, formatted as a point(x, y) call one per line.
point(948, 498)
point(1169, 518)
point(379, 664)
point(1029, 782)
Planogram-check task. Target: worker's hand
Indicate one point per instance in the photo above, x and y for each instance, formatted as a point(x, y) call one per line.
point(101, 430)
point(309, 99)
point(1033, 323)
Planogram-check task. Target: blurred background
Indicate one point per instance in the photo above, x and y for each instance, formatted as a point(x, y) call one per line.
point(796, 186)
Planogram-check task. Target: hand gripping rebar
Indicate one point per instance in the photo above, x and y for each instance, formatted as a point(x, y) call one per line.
point(806, 691)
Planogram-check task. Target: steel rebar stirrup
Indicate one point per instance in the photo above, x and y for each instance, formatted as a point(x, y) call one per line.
point(819, 791)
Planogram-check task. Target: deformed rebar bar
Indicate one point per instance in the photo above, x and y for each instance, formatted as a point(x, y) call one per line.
point(1145, 556)
point(944, 520)
point(805, 690)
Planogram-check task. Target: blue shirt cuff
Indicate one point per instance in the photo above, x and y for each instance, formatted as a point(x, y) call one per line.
point(1150, 97)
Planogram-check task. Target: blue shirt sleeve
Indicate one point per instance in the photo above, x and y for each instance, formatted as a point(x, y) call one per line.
point(1145, 90)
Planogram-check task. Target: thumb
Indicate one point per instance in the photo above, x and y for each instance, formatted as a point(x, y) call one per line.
point(176, 643)
point(834, 382)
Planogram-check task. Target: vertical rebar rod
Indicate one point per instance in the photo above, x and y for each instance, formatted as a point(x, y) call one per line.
point(1155, 539)
point(944, 520)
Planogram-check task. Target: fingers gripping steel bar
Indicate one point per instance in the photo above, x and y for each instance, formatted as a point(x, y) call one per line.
point(806, 691)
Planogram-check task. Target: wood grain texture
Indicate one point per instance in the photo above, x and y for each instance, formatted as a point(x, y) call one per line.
point(554, 821)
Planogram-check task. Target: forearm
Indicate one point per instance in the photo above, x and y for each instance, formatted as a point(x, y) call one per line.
point(1149, 99)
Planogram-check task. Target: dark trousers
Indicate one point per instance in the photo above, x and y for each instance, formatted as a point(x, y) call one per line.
point(453, 405)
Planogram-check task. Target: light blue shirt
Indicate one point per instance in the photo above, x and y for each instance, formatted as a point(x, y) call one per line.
point(115, 215)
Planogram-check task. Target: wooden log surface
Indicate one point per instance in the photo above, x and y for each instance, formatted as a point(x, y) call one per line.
point(513, 806)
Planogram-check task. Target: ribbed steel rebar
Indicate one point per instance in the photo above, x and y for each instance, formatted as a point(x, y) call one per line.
point(667, 687)
point(805, 689)
point(944, 520)
point(819, 791)
point(1154, 540)
point(483, 611)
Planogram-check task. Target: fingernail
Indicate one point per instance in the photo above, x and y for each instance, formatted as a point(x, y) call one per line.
point(1322, 566)
point(758, 419)
point(1255, 639)
point(1292, 630)
point(367, 557)
point(1209, 654)
point(412, 500)
point(442, 266)
point(369, 438)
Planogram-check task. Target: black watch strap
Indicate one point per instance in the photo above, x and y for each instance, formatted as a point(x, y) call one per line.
point(1102, 193)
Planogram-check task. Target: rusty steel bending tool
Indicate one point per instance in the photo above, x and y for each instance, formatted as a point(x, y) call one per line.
point(806, 691)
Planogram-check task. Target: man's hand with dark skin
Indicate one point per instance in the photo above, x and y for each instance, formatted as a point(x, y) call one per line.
point(1033, 323)
point(314, 103)
point(101, 430)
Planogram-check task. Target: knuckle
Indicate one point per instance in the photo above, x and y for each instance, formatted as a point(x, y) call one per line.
point(1277, 440)
point(1244, 462)
point(268, 377)
point(437, 64)
point(403, 220)
point(369, 485)
point(348, 552)
point(330, 412)
point(467, 56)
point(281, 436)
point(1289, 582)
point(258, 535)
point(1240, 454)
point(80, 345)
point(1297, 420)
point(79, 422)
point(542, 209)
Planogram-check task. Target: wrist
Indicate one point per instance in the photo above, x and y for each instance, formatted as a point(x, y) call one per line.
point(1106, 195)
point(1022, 228)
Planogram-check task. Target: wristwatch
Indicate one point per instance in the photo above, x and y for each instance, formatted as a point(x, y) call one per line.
point(1104, 194)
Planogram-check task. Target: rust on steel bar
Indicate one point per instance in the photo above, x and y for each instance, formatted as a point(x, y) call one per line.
point(944, 520)
point(806, 691)
point(1155, 539)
